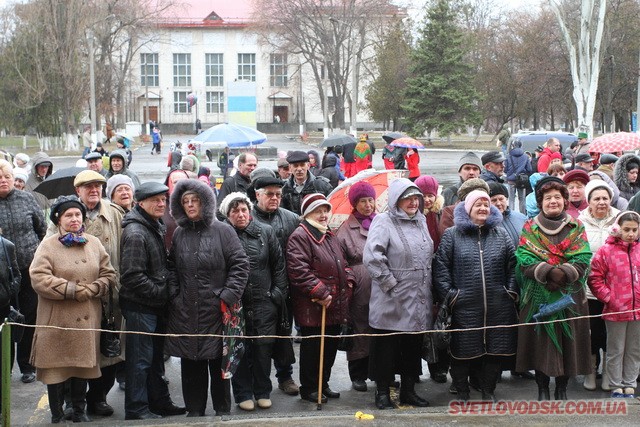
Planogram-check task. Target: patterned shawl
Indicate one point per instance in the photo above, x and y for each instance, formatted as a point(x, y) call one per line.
point(362, 150)
point(535, 247)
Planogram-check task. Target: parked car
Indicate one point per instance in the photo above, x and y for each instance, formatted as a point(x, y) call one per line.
point(531, 139)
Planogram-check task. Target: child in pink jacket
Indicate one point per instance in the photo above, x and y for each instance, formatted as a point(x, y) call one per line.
point(615, 280)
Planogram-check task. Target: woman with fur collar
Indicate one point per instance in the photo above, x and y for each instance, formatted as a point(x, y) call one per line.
point(625, 175)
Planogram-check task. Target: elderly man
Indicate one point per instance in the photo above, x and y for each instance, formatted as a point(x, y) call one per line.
point(493, 163)
point(94, 163)
point(301, 182)
point(247, 162)
point(118, 164)
point(469, 167)
point(144, 295)
point(544, 160)
point(268, 194)
point(284, 170)
point(584, 161)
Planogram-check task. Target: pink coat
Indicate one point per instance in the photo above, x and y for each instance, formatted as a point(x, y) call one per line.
point(615, 279)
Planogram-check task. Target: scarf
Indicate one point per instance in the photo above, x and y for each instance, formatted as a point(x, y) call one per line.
point(321, 228)
point(535, 247)
point(73, 239)
point(362, 150)
point(364, 220)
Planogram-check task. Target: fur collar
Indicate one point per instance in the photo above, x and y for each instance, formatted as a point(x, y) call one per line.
point(207, 200)
point(463, 222)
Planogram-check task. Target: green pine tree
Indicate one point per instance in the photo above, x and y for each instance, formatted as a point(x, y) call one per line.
point(440, 94)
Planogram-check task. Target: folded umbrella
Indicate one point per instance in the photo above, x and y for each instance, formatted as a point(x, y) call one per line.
point(59, 183)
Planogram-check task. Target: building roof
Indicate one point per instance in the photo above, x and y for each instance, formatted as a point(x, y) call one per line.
point(207, 13)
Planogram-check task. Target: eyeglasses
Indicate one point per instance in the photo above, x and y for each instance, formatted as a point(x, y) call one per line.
point(271, 194)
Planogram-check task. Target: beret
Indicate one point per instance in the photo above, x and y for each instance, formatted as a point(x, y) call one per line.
point(150, 189)
point(87, 176)
point(576, 175)
point(297, 157)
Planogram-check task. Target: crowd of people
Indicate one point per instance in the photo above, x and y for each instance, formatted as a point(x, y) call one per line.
point(174, 257)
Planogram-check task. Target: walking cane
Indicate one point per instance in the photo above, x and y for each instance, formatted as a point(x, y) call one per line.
point(320, 376)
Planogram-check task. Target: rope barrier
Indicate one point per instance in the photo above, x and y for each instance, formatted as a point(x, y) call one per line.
point(430, 331)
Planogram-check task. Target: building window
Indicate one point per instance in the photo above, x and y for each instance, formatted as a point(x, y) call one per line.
point(278, 70)
point(149, 69)
point(213, 69)
point(247, 66)
point(215, 102)
point(180, 104)
point(182, 69)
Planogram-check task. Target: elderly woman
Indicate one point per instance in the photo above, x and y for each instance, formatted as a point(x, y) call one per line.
point(625, 175)
point(576, 180)
point(120, 191)
point(319, 279)
point(352, 236)
point(398, 256)
point(70, 272)
point(266, 291)
point(208, 265)
point(597, 219)
point(552, 261)
point(474, 274)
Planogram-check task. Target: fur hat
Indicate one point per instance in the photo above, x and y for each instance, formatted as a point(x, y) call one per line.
point(313, 201)
point(359, 190)
point(62, 204)
point(115, 181)
point(469, 159)
point(227, 202)
point(472, 184)
point(473, 197)
point(427, 184)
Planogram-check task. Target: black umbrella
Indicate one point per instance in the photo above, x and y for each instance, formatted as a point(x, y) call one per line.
point(59, 183)
point(391, 136)
point(340, 139)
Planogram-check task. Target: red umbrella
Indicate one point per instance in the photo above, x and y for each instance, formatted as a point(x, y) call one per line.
point(615, 142)
point(380, 180)
point(407, 142)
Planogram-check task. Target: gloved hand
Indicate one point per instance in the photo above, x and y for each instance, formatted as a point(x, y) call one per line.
point(82, 294)
point(556, 279)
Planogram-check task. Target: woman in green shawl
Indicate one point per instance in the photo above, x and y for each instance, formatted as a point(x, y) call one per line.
point(553, 257)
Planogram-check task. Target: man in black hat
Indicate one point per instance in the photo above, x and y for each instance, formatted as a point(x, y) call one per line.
point(267, 210)
point(143, 298)
point(493, 163)
point(584, 161)
point(301, 182)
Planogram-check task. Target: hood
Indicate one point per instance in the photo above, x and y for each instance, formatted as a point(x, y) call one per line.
point(396, 189)
point(608, 180)
point(535, 177)
point(38, 158)
point(517, 152)
point(330, 162)
point(207, 200)
point(620, 172)
point(462, 220)
point(123, 155)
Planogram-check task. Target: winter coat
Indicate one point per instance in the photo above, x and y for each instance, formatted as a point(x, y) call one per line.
point(512, 222)
point(597, 232)
point(291, 199)
point(9, 274)
point(473, 271)
point(530, 200)
point(329, 171)
point(22, 222)
point(617, 201)
point(413, 163)
point(627, 189)
point(59, 275)
point(488, 176)
point(450, 194)
point(574, 210)
point(267, 287)
point(126, 158)
point(433, 216)
point(317, 268)
point(143, 264)
point(615, 279)
point(208, 264)
point(282, 221)
point(544, 160)
point(352, 238)
point(34, 180)
point(231, 184)
point(517, 162)
point(398, 257)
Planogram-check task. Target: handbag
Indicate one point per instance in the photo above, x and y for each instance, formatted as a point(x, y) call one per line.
point(109, 341)
point(441, 337)
point(15, 316)
point(522, 180)
point(345, 343)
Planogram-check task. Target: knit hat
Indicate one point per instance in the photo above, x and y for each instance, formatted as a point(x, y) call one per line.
point(230, 199)
point(496, 189)
point(359, 190)
point(469, 159)
point(62, 204)
point(472, 184)
point(555, 156)
point(427, 184)
point(313, 201)
point(88, 176)
point(117, 180)
point(576, 175)
point(19, 173)
point(597, 184)
point(473, 197)
point(22, 157)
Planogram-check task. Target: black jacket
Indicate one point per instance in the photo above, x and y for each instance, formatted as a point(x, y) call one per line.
point(283, 222)
point(143, 264)
point(474, 271)
point(292, 200)
point(330, 172)
point(9, 273)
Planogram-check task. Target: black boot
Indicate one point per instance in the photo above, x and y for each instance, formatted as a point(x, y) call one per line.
point(561, 388)
point(543, 386)
point(79, 400)
point(383, 399)
point(408, 393)
point(488, 375)
point(56, 400)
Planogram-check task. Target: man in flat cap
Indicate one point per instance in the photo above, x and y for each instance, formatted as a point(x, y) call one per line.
point(469, 167)
point(267, 210)
point(493, 163)
point(94, 163)
point(584, 161)
point(301, 182)
point(144, 295)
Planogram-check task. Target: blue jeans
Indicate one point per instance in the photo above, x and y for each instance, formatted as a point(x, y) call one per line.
point(522, 194)
point(144, 364)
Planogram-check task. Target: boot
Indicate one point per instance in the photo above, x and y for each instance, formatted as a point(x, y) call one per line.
point(605, 377)
point(56, 400)
point(408, 393)
point(543, 386)
point(561, 388)
point(383, 399)
point(590, 379)
point(79, 400)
